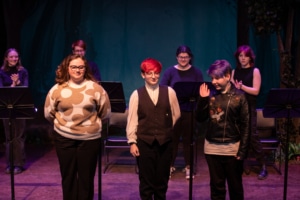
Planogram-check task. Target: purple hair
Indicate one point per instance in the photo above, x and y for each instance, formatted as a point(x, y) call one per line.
point(219, 69)
point(248, 52)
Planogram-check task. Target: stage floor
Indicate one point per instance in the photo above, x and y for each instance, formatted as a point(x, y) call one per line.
point(41, 179)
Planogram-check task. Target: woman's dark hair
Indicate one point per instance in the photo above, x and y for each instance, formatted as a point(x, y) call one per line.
point(79, 43)
point(185, 49)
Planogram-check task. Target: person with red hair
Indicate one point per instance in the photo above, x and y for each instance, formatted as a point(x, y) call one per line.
point(152, 113)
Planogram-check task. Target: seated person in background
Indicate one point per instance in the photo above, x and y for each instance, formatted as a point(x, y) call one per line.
point(13, 74)
point(183, 71)
point(79, 48)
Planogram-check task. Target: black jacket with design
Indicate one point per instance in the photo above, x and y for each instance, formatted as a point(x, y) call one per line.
point(228, 118)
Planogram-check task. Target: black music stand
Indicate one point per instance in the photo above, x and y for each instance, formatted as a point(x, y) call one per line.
point(15, 103)
point(283, 103)
point(117, 102)
point(187, 94)
point(116, 95)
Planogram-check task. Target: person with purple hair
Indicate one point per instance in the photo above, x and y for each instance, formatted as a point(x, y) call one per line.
point(227, 138)
point(183, 71)
point(247, 78)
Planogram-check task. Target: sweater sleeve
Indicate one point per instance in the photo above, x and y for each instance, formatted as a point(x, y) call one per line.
point(104, 109)
point(23, 78)
point(49, 109)
point(166, 78)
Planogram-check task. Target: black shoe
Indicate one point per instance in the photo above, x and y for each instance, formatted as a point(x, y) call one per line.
point(18, 170)
point(247, 171)
point(7, 170)
point(263, 174)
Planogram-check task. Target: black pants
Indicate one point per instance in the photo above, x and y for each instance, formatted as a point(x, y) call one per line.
point(222, 169)
point(77, 162)
point(154, 169)
point(18, 141)
point(182, 129)
point(255, 144)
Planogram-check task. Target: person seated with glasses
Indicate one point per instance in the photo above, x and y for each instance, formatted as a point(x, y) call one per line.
point(79, 48)
point(183, 71)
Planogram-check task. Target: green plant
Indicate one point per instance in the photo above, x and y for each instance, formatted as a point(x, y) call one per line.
point(294, 149)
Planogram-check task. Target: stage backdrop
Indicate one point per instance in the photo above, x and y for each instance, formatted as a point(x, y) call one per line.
point(121, 33)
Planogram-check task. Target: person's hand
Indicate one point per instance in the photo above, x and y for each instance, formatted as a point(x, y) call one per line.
point(134, 150)
point(15, 79)
point(203, 90)
point(238, 84)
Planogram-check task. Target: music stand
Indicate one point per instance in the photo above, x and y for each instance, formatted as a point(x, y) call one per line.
point(117, 102)
point(116, 95)
point(187, 94)
point(15, 103)
point(283, 103)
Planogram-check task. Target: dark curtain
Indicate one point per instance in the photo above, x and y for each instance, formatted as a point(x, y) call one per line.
point(120, 34)
point(267, 60)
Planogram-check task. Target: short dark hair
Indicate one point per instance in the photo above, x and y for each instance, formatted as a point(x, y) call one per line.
point(79, 43)
point(185, 49)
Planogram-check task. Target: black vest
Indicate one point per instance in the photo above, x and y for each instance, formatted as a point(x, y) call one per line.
point(154, 121)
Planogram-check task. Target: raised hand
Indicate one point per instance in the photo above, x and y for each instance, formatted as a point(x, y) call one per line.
point(204, 91)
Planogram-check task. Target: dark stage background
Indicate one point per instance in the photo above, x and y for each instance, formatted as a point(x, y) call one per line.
point(121, 33)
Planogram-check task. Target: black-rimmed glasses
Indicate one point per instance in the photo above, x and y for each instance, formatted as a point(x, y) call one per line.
point(80, 67)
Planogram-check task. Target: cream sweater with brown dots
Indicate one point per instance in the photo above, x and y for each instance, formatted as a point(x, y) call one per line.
point(77, 109)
